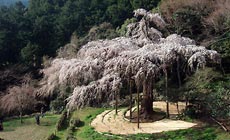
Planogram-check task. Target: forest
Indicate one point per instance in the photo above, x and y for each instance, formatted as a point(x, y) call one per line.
point(64, 55)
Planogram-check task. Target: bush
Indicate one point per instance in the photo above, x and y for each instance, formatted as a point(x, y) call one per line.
point(62, 123)
point(73, 123)
point(51, 137)
point(70, 135)
point(191, 111)
point(76, 122)
point(222, 46)
point(218, 102)
point(57, 105)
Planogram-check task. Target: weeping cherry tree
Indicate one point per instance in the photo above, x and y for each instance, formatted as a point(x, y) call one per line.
point(101, 68)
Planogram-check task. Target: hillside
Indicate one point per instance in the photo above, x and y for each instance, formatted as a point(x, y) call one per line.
point(67, 56)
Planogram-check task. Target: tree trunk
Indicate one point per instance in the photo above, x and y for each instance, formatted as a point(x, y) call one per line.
point(147, 99)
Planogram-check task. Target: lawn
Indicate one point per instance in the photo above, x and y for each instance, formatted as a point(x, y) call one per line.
point(86, 132)
point(14, 130)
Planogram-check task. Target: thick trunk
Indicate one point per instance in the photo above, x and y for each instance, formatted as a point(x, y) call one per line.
point(147, 99)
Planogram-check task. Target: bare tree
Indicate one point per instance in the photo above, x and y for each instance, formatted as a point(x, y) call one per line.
point(19, 99)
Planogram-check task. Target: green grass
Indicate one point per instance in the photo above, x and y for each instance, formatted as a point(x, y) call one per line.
point(13, 130)
point(28, 130)
point(86, 132)
point(207, 133)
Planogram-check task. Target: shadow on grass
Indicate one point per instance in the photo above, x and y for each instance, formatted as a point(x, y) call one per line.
point(7, 130)
point(80, 124)
point(56, 138)
point(45, 124)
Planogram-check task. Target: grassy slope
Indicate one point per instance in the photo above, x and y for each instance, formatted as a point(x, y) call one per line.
point(86, 132)
point(30, 131)
point(14, 130)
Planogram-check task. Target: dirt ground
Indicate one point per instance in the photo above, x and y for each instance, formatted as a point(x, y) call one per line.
point(117, 124)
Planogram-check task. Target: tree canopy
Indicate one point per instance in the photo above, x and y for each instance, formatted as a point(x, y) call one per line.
point(50, 24)
point(102, 67)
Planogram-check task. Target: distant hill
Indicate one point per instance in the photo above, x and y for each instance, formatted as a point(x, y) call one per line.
point(9, 2)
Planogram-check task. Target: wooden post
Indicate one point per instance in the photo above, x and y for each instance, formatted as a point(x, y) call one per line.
point(166, 92)
point(179, 79)
point(178, 72)
point(116, 104)
point(138, 110)
point(21, 117)
point(131, 98)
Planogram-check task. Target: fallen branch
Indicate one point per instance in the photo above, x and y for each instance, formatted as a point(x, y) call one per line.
point(221, 124)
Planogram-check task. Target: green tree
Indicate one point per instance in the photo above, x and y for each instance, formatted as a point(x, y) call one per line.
point(146, 4)
point(13, 33)
point(31, 55)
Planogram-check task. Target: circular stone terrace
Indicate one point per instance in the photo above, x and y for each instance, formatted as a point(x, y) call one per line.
point(118, 124)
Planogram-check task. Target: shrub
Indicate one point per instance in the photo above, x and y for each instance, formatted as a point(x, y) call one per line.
point(51, 137)
point(191, 111)
point(222, 45)
point(62, 123)
point(70, 135)
point(76, 122)
point(57, 105)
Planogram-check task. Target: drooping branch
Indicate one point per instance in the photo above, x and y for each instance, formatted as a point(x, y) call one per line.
point(138, 56)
